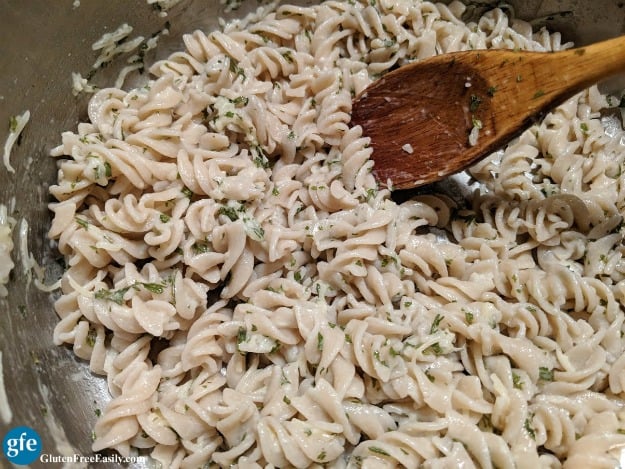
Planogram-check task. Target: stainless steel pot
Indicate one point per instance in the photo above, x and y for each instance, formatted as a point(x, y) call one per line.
point(40, 45)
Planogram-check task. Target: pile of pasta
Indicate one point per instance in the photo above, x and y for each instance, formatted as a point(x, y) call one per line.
point(255, 299)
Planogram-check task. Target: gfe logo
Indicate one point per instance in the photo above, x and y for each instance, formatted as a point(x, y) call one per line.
point(21, 445)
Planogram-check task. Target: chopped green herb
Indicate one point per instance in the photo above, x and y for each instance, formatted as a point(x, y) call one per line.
point(474, 103)
point(436, 323)
point(187, 192)
point(98, 412)
point(116, 296)
point(243, 100)
point(200, 247)
point(528, 428)
point(286, 400)
point(468, 315)
point(516, 381)
point(82, 223)
point(435, 348)
point(288, 56)
point(257, 231)
point(108, 172)
point(538, 94)
point(91, 337)
point(12, 124)
point(319, 341)
point(376, 355)
point(584, 127)
point(377, 450)
point(476, 122)
point(154, 287)
point(260, 160)
point(276, 346)
point(164, 218)
point(545, 373)
point(228, 211)
point(241, 336)
point(234, 68)
point(491, 91)
point(371, 193)
point(485, 423)
point(321, 456)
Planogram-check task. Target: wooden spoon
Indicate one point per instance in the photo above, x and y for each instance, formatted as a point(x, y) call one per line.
point(433, 118)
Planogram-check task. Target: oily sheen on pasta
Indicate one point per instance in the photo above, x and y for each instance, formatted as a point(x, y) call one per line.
point(255, 300)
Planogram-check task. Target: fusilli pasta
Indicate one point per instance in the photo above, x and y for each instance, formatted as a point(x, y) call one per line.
point(256, 300)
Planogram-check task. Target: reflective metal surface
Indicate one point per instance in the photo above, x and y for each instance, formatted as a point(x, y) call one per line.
point(40, 45)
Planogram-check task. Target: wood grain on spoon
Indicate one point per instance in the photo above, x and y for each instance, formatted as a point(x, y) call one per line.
point(420, 116)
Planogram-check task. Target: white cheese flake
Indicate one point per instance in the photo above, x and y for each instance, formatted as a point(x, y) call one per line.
point(16, 125)
point(6, 246)
point(5, 410)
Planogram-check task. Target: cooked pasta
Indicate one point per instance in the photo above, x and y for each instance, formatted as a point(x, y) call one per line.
point(254, 299)
point(16, 127)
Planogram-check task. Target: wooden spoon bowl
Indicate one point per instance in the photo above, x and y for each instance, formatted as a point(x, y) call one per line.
point(436, 117)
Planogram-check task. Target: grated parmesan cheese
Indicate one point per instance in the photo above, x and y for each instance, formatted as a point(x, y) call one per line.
point(5, 410)
point(475, 132)
point(6, 246)
point(164, 5)
point(114, 44)
point(29, 264)
point(231, 5)
point(407, 148)
point(16, 125)
point(81, 84)
point(111, 45)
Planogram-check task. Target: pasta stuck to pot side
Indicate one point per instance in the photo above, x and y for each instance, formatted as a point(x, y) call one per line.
point(254, 299)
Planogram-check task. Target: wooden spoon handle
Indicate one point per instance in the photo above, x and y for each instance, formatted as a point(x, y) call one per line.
point(586, 66)
point(540, 81)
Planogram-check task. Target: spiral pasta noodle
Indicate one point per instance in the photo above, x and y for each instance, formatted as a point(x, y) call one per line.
point(255, 300)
